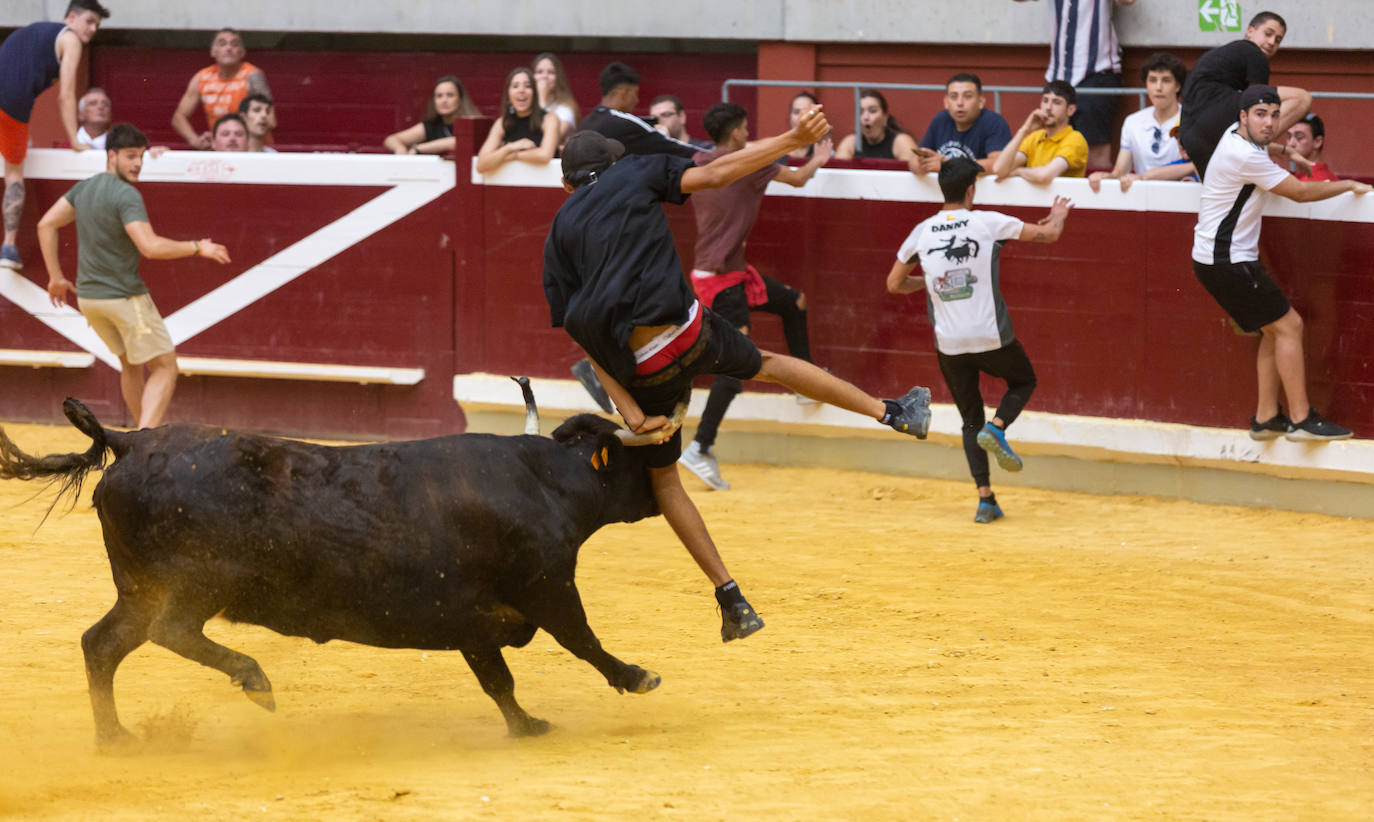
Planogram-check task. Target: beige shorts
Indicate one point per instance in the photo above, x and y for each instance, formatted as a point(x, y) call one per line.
point(130, 326)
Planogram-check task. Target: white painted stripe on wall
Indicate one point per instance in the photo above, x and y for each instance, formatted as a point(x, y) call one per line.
point(905, 187)
point(286, 168)
point(1034, 433)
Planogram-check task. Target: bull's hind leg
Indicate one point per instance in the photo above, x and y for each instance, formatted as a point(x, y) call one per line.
point(180, 630)
point(554, 605)
point(105, 644)
point(491, 670)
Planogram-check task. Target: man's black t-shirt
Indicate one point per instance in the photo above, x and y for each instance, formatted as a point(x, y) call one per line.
point(610, 263)
point(1230, 68)
point(637, 136)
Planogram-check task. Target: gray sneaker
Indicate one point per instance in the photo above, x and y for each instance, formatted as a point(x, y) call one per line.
point(9, 258)
point(703, 464)
point(914, 418)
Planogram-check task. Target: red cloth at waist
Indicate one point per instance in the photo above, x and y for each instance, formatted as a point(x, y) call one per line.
point(755, 292)
point(663, 357)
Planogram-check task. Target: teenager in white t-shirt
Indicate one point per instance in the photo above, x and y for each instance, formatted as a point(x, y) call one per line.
point(958, 252)
point(1226, 262)
point(1149, 142)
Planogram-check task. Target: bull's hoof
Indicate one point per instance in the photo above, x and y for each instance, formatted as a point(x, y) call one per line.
point(262, 699)
point(530, 726)
point(118, 742)
point(648, 680)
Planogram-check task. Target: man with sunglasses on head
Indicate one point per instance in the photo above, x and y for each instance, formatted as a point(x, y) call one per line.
point(1149, 147)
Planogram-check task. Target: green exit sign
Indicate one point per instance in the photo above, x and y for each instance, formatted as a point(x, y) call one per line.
point(1218, 15)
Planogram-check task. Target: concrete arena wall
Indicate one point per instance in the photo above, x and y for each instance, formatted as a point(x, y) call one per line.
point(409, 266)
point(1340, 24)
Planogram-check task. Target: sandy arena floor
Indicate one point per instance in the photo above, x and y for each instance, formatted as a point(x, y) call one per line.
point(1086, 658)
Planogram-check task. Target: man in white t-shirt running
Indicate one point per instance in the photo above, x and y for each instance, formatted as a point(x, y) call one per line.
point(958, 251)
point(1226, 262)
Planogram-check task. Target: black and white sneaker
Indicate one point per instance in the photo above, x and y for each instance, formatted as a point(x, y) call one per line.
point(1272, 428)
point(1316, 428)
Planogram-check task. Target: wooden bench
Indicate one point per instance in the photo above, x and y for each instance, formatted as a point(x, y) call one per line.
point(46, 359)
point(327, 372)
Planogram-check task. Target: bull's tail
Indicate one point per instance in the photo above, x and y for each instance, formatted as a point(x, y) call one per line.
point(68, 471)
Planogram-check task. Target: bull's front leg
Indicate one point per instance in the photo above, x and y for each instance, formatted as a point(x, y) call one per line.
point(495, 677)
point(553, 604)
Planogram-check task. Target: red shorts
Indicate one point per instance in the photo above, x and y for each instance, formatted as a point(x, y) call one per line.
point(14, 139)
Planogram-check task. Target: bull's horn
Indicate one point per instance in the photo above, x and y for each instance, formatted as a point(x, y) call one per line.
point(531, 413)
point(629, 437)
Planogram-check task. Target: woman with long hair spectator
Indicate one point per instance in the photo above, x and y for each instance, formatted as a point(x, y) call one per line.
point(434, 133)
point(554, 94)
point(800, 104)
point(524, 131)
point(879, 136)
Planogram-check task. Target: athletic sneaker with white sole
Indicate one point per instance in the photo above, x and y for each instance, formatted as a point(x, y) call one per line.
point(702, 462)
point(1272, 428)
point(913, 416)
point(1316, 428)
point(994, 440)
point(9, 258)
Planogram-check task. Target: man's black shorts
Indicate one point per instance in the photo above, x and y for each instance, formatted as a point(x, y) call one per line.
point(1096, 113)
point(1245, 291)
point(719, 349)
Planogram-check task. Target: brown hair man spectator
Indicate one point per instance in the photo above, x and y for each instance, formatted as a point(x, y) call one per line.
point(671, 119)
point(1149, 142)
point(31, 58)
point(219, 88)
point(964, 129)
point(1046, 146)
point(614, 118)
point(257, 112)
point(1307, 139)
point(230, 134)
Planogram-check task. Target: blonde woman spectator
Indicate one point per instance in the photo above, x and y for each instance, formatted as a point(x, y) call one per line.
point(434, 134)
point(554, 94)
point(524, 132)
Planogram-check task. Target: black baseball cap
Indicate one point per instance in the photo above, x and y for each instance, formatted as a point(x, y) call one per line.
point(1257, 94)
point(589, 152)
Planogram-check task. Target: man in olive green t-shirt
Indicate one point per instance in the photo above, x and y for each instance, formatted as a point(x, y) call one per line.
point(112, 233)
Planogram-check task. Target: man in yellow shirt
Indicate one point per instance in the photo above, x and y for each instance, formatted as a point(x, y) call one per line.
point(1048, 146)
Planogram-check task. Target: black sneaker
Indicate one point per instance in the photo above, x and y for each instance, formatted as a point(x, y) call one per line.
point(914, 417)
point(1316, 428)
point(582, 369)
point(738, 620)
point(1272, 428)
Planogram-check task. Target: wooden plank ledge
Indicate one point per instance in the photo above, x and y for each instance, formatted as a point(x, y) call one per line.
point(46, 359)
point(323, 372)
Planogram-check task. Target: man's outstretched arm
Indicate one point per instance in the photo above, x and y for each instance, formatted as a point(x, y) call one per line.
point(725, 170)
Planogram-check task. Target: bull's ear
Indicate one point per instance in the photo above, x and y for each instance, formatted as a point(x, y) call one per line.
point(608, 449)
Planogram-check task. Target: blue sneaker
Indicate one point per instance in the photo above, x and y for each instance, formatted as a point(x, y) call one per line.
point(987, 512)
point(993, 440)
point(9, 257)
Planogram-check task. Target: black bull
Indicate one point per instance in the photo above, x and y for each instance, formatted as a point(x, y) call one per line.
point(465, 542)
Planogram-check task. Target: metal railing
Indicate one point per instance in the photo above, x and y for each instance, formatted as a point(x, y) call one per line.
point(997, 91)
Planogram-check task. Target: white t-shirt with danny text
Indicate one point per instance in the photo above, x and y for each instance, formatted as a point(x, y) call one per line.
point(1232, 203)
point(958, 252)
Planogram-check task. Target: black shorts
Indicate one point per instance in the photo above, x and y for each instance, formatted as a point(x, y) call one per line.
point(1096, 113)
point(1245, 291)
point(733, 304)
point(719, 349)
point(1207, 126)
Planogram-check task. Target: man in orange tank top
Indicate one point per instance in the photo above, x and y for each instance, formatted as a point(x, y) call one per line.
point(219, 88)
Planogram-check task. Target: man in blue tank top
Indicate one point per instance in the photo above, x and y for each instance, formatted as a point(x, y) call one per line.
point(30, 60)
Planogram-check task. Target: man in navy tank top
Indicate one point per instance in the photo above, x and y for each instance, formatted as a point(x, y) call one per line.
point(30, 60)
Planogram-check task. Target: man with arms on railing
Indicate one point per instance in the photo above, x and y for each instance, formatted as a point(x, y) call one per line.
point(613, 279)
point(112, 231)
point(1046, 146)
point(965, 128)
point(31, 58)
point(219, 88)
point(1226, 262)
point(1149, 145)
